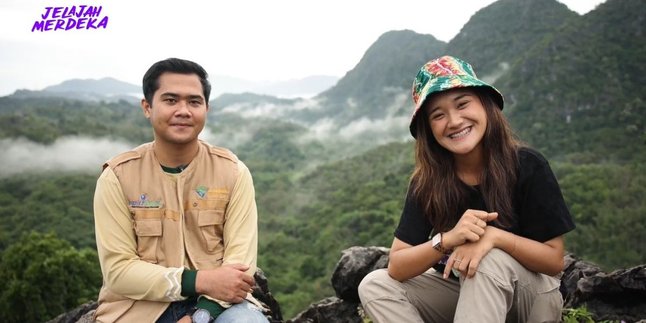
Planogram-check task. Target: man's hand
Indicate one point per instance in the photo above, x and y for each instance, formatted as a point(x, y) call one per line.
point(229, 283)
point(185, 319)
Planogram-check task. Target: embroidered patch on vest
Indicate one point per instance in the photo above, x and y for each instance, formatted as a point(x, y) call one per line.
point(143, 202)
point(218, 193)
point(201, 191)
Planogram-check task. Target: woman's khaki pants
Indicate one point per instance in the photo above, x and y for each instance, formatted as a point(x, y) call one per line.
point(502, 290)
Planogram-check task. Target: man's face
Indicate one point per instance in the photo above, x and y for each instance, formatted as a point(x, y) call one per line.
point(178, 109)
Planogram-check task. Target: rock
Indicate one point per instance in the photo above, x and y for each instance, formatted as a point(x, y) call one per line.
point(85, 312)
point(330, 310)
point(356, 263)
point(261, 292)
point(619, 295)
point(574, 270)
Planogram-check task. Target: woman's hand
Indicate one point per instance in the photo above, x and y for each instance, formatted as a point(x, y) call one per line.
point(469, 228)
point(542, 257)
point(466, 258)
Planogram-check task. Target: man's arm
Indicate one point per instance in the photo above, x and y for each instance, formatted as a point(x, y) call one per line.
point(123, 272)
point(240, 232)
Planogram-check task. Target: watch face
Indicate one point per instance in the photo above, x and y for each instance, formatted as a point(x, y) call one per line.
point(201, 316)
point(436, 241)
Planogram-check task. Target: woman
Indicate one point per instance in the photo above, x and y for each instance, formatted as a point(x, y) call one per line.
point(481, 234)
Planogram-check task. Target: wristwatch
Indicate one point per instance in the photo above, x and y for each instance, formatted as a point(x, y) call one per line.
point(201, 316)
point(436, 241)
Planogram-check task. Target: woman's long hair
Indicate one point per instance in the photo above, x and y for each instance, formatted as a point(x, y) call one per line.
point(435, 182)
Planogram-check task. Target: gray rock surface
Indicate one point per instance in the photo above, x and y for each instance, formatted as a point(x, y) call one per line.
point(85, 313)
point(330, 310)
point(619, 295)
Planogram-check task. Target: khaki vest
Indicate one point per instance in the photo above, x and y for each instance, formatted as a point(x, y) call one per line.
point(172, 219)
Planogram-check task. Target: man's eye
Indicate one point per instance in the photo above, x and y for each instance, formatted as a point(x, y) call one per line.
point(170, 100)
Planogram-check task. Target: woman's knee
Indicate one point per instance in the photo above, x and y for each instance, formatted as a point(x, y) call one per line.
point(374, 285)
point(497, 261)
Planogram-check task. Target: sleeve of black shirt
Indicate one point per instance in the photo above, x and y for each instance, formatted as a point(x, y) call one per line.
point(543, 212)
point(414, 227)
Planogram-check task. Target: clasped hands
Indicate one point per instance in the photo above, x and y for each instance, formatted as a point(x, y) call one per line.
point(228, 283)
point(469, 241)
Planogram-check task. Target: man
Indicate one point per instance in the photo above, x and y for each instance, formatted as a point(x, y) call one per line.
point(176, 220)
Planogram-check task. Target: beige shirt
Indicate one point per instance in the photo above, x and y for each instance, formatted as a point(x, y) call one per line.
point(124, 272)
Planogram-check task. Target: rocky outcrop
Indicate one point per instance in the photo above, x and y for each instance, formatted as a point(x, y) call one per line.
point(85, 312)
point(619, 295)
point(356, 263)
point(81, 314)
point(261, 292)
point(330, 310)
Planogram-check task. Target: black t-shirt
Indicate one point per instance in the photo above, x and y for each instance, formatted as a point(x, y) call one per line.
point(538, 207)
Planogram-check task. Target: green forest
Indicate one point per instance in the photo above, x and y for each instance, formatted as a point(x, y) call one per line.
point(574, 92)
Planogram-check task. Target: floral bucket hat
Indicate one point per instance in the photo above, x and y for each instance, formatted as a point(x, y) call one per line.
point(445, 73)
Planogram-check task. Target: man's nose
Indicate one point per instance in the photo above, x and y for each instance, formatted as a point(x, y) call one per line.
point(182, 108)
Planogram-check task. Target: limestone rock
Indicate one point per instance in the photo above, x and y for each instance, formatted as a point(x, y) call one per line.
point(330, 310)
point(356, 263)
point(619, 295)
point(85, 312)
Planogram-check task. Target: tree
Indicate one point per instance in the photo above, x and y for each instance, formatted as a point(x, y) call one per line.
point(45, 276)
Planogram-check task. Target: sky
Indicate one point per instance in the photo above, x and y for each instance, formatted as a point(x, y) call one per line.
point(255, 40)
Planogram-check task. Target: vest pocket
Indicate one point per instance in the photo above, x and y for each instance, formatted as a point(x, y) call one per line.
point(211, 225)
point(148, 233)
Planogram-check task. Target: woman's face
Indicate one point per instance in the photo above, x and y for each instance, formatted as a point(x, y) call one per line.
point(458, 121)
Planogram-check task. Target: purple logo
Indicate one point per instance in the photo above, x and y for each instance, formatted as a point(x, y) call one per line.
point(73, 17)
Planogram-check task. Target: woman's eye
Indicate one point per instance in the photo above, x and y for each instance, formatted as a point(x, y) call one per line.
point(437, 116)
point(463, 104)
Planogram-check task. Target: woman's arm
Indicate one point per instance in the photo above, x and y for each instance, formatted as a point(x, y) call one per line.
point(543, 257)
point(407, 261)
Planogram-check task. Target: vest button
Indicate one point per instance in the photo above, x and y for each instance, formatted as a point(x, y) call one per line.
point(194, 204)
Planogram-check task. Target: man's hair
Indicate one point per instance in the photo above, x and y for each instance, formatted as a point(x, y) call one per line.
point(173, 65)
point(436, 185)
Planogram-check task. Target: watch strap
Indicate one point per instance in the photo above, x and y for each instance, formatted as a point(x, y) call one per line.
point(437, 244)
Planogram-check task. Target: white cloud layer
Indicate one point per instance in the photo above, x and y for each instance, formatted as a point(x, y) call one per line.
point(65, 154)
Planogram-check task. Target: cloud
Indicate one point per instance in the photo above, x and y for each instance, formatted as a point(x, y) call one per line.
point(65, 154)
point(503, 67)
point(385, 129)
point(272, 110)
